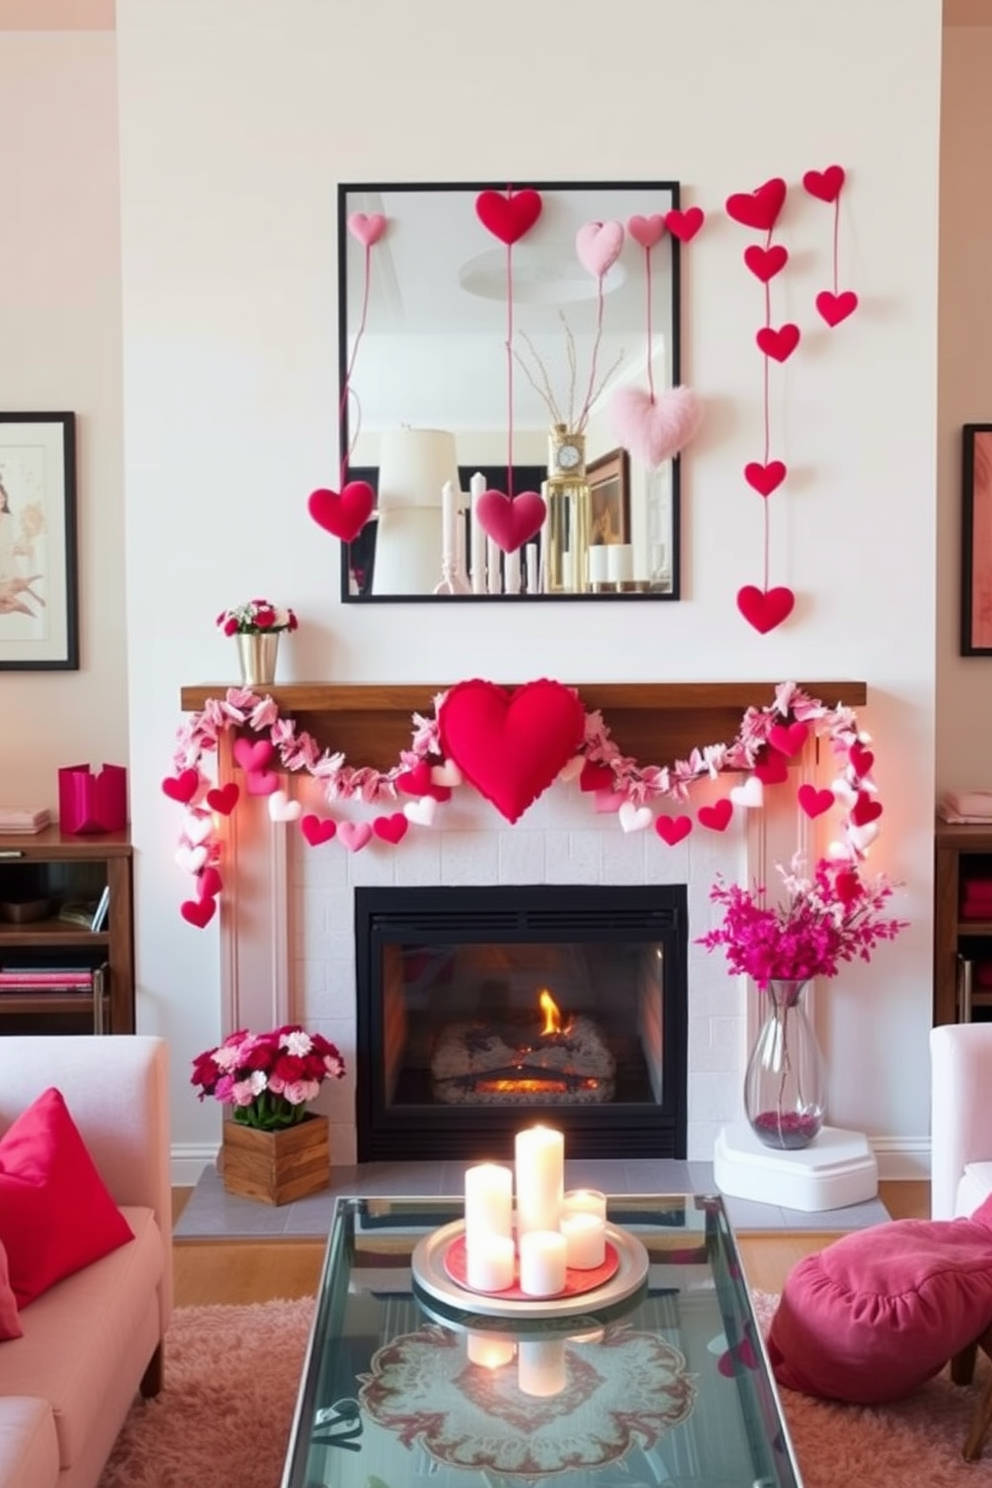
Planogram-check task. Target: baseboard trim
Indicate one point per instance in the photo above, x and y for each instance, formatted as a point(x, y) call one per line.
point(188, 1160)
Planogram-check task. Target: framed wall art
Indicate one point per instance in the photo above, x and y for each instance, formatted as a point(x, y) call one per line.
point(609, 498)
point(39, 628)
point(976, 541)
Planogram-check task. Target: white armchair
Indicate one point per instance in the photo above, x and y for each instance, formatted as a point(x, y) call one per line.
point(960, 1118)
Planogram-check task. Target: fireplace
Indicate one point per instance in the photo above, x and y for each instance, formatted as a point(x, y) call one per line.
point(483, 1009)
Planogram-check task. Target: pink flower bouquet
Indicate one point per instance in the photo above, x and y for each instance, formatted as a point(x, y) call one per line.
point(256, 617)
point(267, 1077)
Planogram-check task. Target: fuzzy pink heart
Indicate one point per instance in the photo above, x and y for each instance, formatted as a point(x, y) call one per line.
point(765, 478)
point(654, 431)
point(261, 782)
point(253, 756)
point(647, 231)
point(510, 523)
point(316, 829)
point(764, 609)
point(342, 515)
point(814, 802)
point(685, 225)
point(354, 835)
point(779, 343)
point(834, 308)
point(368, 228)
point(672, 829)
point(598, 246)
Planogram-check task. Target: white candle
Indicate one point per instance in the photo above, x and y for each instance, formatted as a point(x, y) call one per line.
point(493, 576)
point(542, 1367)
point(585, 1240)
point(531, 558)
point(477, 488)
point(584, 1201)
point(511, 573)
point(542, 1263)
point(449, 509)
point(488, 1201)
point(489, 1262)
point(567, 571)
point(491, 1350)
point(619, 562)
point(598, 564)
point(540, 1173)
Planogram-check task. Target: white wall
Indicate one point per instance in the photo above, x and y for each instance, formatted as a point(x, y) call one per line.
point(237, 123)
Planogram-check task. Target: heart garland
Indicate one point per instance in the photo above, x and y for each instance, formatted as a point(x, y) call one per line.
point(827, 185)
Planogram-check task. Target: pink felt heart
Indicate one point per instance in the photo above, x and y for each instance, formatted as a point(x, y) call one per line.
point(647, 231)
point(765, 263)
point(598, 246)
point(684, 225)
point(223, 798)
point(606, 802)
point(209, 882)
point(316, 829)
point(595, 777)
point(342, 515)
point(198, 912)
point(814, 802)
point(653, 430)
point(772, 769)
point(834, 308)
point(765, 478)
point(865, 809)
point(508, 217)
point(672, 829)
point(368, 228)
point(511, 745)
point(510, 523)
point(253, 756)
point(764, 609)
point(355, 835)
point(182, 787)
point(825, 185)
point(758, 208)
point(861, 758)
point(788, 738)
point(391, 828)
point(779, 342)
point(716, 817)
point(262, 782)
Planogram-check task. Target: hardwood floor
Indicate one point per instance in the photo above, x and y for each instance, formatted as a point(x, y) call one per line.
point(239, 1271)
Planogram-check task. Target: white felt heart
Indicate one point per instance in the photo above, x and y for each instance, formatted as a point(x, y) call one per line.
point(446, 774)
point(841, 852)
point(654, 431)
point(192, 859)
point(863, 837)
point(197, 828)
point(598, 246)
point(635, 818)
point(573, 769)
point(421, 812)
point(282, 809)
point(751, 793)
point(844, 791)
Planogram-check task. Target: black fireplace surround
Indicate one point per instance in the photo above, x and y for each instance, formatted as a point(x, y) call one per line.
point(454, 1052)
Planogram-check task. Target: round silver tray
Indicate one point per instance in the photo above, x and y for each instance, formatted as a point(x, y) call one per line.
point(427, 1265)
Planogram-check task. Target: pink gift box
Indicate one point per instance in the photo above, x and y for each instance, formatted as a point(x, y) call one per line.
point(92, 803)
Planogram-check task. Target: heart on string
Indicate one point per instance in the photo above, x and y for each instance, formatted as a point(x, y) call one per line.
point(825, 185)
point(508, 217)
point(367, 227)
point(814, 802)
point(192, 859)
point(772, 768)
point(342, 515)
point(223, 798)
point(510, 522)
point(197, 828)
point(511, 745)
point(182, 787)
point(253, 756)
point(392, 828)
point(765, 608)
point(758, 208)
point(593, 777)
point(863, 837)
point(635, 818)
point(209, 883)
point(861, 758)
point(317, 830)
point(198, 912)
point(672, 829)
point(355, 835)
point(751, 793)
point(421, 812)
point(282, 809)
point(765, 263)
point(865, 810)
point(417, 781)
point(779, 342)
point(834, 308)
point(598, 245)
point(653, 430)
point(262, 782)
point(847, 886)
point(765, 478)
point(843, 791)
point(685, 225)
point(716, 817)
point(647, 231)
point(788, 738)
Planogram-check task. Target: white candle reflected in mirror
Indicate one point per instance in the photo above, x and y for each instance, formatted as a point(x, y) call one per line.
point(542, 1367)
point(490, 1350)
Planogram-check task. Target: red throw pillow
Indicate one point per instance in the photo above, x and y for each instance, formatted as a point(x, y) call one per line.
point(56, 1215)
point(10, 1323)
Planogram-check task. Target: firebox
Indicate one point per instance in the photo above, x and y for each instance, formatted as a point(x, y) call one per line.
point(480, 1010)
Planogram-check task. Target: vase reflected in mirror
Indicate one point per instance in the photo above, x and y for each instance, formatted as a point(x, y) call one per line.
point(257, 657)
point(785, 1081)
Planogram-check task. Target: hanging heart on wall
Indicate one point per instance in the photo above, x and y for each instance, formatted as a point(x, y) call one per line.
point(209, 882)
point(223, 798)
point(765, 478)
point(654, 430)
point(198, 912)
point(598, 246)
point(647, 231)
point(672, 829)
point(765, 263)
point(182, 787)
point(788, 739)
point(317, 830)
point(685, 225)
point(354, 835)
point(717, 816)
point(825, 185)
point(771, 768)
point(510, 522)
point(861, 758)
point(342, 515)
point(392, 828)
point(814, 802)
point(833, 308)
point(759, 208)
point(779, 343)
point(508, 217)
point(765, 608)
point(253, 756)
point(367, 227)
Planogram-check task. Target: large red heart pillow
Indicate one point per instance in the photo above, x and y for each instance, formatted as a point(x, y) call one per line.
point(511, 745)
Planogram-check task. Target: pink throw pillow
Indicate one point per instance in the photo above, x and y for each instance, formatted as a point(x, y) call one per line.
point(56, 1215)
point(10, 1323)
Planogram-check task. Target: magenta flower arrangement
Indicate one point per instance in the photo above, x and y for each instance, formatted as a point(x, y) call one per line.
point(256, 617)
point(268, 1077)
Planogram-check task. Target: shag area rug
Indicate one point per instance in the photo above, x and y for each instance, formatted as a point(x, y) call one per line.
point(231, 1377)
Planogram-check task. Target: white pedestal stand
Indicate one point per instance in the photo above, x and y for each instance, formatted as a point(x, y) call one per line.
point(838, 1168)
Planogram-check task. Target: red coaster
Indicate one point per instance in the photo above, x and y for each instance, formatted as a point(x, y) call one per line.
point(576, 1282)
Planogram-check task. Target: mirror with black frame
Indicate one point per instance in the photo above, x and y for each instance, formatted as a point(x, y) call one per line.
point(480, 375)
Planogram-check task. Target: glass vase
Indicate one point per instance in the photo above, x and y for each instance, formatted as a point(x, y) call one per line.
point(785, 1080)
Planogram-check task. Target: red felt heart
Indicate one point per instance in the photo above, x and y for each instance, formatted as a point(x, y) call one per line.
point(758, 208)
point(865, 809)
point(508, 217)
point(391, 828)
point(834, 308)
point(198, 912)
point(223, 798)
point(317, 829)
point(717, 816)
point(595, 777)
point(417, 782)
point(765, 263)
point(647, 231)
point(779, 342)
point(772, 769)
point(672, 829)
point(765, 608)
point(182, 787)
point(861, 758)
point(825, 185)
point(510, 522)
point(511, 745)
point(847, 885)
point(814, 802)
point(209, 882)
point(253, 756)
point(765, 478)
point(342, 515)
point(684, 225)
point(788, 738)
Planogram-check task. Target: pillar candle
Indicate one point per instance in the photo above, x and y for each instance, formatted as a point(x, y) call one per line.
point(533, 579)
point(490, 1262)
point(511, 572)
point(449, 515)
point(540, 1172)
point(490, 1350)
point(542, 1263)
point(492, 563)
point(488, 1201)
point(585, 1240)
point(542, 1366)
point(477, 487)
point(619, 562)
point(598, 564)
point(584, 1201)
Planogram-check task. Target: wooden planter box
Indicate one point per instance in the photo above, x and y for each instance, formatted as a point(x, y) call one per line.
point(277, 1167)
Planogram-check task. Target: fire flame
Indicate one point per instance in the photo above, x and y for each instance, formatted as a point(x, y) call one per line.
point(552, 1014)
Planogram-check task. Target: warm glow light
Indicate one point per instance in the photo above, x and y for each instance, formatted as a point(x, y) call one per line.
point(547, 1086)
point(552, 1014)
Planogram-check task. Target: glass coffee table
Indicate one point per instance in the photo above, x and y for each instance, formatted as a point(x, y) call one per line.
point(406, 1378)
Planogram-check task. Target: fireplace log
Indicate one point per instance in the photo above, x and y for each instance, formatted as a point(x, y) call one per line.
point(478, 1063)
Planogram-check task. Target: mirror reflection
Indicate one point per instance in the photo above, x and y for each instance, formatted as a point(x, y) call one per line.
point(479, 385)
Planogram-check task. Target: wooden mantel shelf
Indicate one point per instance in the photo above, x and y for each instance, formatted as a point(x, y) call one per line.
point(655, 722)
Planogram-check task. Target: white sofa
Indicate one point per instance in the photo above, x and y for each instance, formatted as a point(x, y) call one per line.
point(94, 1339)
point(960, 1118)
